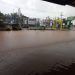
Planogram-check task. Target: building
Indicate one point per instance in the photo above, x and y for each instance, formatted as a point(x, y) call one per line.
point(31, 22)
point(73, 22)
point(25, 22)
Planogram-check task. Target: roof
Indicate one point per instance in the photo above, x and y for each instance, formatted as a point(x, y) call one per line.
point(63, 2)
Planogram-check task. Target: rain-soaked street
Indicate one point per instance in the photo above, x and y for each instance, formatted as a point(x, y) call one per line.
point(34, 52)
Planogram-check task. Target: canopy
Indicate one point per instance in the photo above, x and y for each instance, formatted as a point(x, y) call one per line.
point(63, 2)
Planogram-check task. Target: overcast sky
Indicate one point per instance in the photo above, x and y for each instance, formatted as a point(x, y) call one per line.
point(36, 8)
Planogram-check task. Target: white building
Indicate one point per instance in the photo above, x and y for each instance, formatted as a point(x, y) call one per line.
point(32, 21)
point(73, 22)
point(42, 23)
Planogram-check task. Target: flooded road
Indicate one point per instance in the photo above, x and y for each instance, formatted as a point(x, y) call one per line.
point(30, 52)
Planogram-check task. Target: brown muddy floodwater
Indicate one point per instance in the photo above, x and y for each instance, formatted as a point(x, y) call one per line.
point(34, 52)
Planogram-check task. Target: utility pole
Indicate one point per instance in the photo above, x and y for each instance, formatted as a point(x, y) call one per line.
point(19, 12)
point(61, 15)
point(19, 18)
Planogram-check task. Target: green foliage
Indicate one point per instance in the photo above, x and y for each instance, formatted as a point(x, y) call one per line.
point(71, 18)
point(2, 17)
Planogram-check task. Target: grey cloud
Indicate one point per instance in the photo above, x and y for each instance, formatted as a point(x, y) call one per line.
point(36, 8)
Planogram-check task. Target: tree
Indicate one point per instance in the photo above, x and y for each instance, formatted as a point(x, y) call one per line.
point(2, 17)
point(71, 18)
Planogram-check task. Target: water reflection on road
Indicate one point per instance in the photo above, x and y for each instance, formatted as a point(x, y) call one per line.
point(20, 39)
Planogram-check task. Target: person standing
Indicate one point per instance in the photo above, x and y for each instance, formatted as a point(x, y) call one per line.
point(51, 23)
